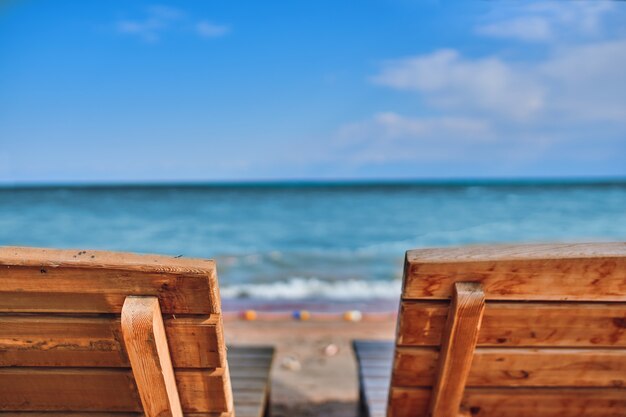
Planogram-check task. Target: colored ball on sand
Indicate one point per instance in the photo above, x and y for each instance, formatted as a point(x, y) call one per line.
point(302, 315)
point(352, 315)
point(249, 315)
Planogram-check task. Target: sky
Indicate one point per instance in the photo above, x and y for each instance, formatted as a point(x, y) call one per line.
point(216, 90)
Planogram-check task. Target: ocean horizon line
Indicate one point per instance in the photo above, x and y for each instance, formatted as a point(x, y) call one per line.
point(326, 183)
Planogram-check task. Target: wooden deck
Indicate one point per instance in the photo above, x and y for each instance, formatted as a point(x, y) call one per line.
point(249, 375)
point(374, 359)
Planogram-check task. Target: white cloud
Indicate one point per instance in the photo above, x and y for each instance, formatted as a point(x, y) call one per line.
point(447, 80)
point(516, 107)
point(541, 22)
point(531, 28)
point(574, 83)
point(587, 82)
point(159, 19)
point(211, 30)
point(389, 136)
point(393, 126)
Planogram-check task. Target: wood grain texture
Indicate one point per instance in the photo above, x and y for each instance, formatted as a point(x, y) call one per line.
point(416, 367)
point(551, 341)
point(149, 356)
point(457, 349)
point(520, 252)
point(38, 340)
point(94, 259)
point(97, 389)
point(583, 272)
point(250, 364)
point(518, 402)
point(531, 324)
point(245, 410)
point(374, 356)
point(42, 280)
point(76, 362)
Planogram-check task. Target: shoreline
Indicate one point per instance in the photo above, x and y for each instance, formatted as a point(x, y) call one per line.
point(384, 305)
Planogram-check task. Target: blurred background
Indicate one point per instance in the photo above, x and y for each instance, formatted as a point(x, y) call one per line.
point(307, 145)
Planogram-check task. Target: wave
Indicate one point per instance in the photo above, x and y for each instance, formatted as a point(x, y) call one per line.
point(299, 288)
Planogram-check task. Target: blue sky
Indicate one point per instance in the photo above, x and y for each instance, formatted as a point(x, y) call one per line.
point(241, 90)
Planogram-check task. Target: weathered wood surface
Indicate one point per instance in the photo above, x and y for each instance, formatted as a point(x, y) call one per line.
point(95, 259)
point(102, 414)
point(518, 402)
point(374, 361)
point(96, 389)
point(372, 356)
point(552, 340)
point(62, 347)
point(416, 367)
point(250, 374)
point(115, 390)
point(149, 356)
point(88, 341)
point(529, 324)
point(583, 272)
point(457, 349)
point(43, 280)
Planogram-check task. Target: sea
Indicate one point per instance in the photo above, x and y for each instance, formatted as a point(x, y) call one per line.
point(332, 242)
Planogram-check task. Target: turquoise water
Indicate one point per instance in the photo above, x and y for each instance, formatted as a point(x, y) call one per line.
point(303, 241)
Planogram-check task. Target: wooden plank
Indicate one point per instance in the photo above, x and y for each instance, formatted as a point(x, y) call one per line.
point(457, 348)
point(64, 414)
point(70, 341)
point(95, 414)
point(98, 389)
point(96, 259)
point(149, 355)
point(250, 364)
point(250, 351)
point(374, 386)
point(583, 272)
point(531, 324)
point(58, 389)
point(416, 367)
point(518, 402)
point(41, 280)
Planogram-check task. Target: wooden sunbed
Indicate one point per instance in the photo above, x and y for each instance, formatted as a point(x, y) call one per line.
point(102, 334)
point(504, 331)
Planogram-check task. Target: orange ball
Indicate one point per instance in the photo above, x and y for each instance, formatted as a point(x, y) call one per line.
point(249, 315)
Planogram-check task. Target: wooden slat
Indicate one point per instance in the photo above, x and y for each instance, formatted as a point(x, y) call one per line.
point(583, 402)
point(521, 324)
point(92, 389)
point(594, 272)
point(250, 374)
point(457, 349)
point(37, 257)
point(41, 280)
point(415, 367)
point(64, 414)
point(149, 356)
point(374, 386)
point(38, 340)
point(95, 414)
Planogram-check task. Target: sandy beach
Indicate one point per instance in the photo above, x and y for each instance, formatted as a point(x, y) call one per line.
point(306, 380)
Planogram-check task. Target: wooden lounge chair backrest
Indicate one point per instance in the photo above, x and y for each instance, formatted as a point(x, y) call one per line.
point(529, 330)
point(90, 331)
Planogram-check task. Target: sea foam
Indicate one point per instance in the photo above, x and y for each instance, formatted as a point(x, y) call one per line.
point(299, 288)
